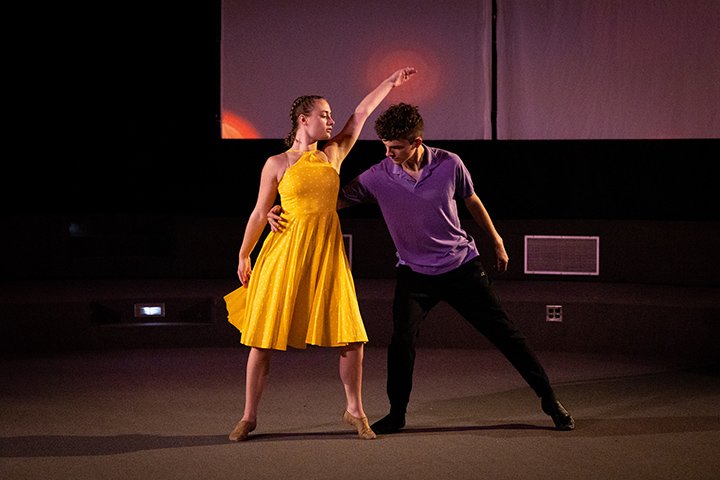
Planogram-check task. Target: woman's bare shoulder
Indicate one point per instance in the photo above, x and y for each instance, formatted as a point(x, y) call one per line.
point(329, 153)
point(277, 162)
point(278, 158)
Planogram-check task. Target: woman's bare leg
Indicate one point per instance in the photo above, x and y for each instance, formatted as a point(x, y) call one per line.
point(351, 365)
point(351, 362)
point(258, 367)
point(257, 370)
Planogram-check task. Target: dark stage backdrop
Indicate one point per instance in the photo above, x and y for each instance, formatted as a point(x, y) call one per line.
point(128, 112)
point(121, 169)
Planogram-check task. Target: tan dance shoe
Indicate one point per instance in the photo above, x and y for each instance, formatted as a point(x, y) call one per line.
point(241, 431)
point(362, 425)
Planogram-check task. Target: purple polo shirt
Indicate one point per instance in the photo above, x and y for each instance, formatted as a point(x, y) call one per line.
point(422, 216)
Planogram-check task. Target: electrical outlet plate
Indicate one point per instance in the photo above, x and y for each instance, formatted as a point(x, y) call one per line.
point(553, 313)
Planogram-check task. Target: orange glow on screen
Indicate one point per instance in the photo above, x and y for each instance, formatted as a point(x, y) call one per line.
point(234, 126)
point(414, 92)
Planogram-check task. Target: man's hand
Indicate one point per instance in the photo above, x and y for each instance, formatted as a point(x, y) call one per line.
point(277, 223)
point(501, 258)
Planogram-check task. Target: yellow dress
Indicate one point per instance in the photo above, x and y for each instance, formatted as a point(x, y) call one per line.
point(301, 291)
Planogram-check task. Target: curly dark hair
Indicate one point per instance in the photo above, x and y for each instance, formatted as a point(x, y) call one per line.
point(399, 122)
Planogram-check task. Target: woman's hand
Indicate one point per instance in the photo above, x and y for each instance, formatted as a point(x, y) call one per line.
point(401, 76)
point(244, 269)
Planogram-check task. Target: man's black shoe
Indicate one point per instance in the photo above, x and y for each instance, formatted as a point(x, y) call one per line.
point(561, 417)
point(389, 424)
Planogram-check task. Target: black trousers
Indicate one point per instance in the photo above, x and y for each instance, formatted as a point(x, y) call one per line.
point(468, 290)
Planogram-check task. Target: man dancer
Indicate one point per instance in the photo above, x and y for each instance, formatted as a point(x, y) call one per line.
point(416, 187)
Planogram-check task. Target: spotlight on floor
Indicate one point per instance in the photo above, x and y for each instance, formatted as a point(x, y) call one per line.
point(149, 310)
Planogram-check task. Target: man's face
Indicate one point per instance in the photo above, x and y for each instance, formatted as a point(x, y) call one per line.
point(400, 150)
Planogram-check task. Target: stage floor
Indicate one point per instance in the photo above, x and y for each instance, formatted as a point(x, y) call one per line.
point(166, 413)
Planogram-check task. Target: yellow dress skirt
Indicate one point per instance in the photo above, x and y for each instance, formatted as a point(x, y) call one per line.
point(301, 291)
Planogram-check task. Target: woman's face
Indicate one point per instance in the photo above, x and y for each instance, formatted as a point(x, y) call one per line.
point(319, 123)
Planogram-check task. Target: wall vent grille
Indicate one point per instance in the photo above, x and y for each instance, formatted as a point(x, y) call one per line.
point(562, 255)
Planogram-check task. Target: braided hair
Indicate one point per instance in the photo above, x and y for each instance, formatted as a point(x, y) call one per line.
point(301, 106)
